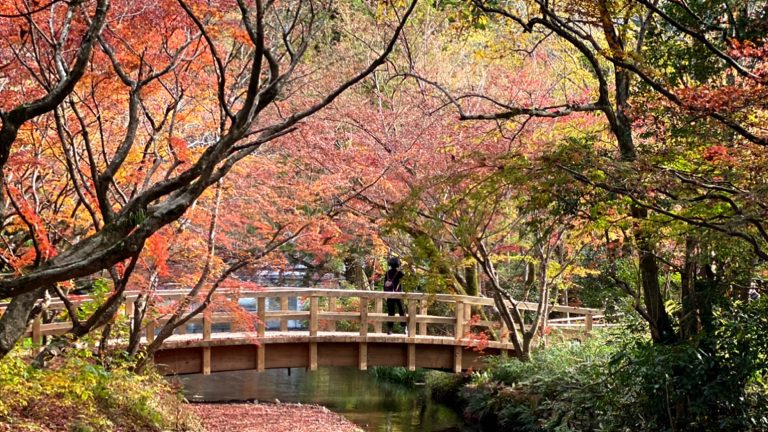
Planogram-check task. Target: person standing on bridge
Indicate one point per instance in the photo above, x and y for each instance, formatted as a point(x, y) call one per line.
point(392, 284)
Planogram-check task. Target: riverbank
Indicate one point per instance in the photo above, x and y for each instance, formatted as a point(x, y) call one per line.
point(249, 417)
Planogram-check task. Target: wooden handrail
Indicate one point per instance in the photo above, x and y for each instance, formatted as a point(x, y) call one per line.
point(319, 292)
point(416, 321)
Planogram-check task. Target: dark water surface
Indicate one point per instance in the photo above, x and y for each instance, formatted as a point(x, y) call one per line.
point(373, 405)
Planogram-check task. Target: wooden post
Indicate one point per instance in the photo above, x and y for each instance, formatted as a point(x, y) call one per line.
point(411, 357)
point(37, 337)
point(458, 334)
point(261, 305)
point(150, 331)
point(423, 310)
point(332, 307)
point(129, 309)
point(182, 329)
point(313, 304)
point(459, 329)
point(457, 359)
point(261, 357)
point(363, 356)
point(313, 356)
point(504, 332)
point(206, 360)
point(588, 322)
point(377, 307)
point(413, 306)
point(283, 308)
point(206, 327)
point(363, 316)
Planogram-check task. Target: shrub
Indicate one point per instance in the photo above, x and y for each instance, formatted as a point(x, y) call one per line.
point(399, 375)
point(75, 393)
point(621, 381)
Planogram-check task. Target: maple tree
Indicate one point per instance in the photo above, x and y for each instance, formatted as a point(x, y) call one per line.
point(424, 173)
point(129, 127)
point(627, 49)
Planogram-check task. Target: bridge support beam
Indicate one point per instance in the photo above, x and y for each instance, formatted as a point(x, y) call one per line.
point(313, 356)
point(261, 357)
point(457, 350)
point(206, 360)
point(411, 357)
point(363, 356)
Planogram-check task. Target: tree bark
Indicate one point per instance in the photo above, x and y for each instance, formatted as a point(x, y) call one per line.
point(660, 324)
point(361, 279)
point(472, 277)
point(13, 323)
point(689, 317)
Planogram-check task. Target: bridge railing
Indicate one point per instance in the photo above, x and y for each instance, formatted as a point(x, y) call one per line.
point(324, 306)
point(323, 311)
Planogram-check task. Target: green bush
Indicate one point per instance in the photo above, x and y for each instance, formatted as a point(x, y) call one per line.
point(398, 375)
point(714, 383)
point(623, 382)
point(445, 387)
point(81, 395)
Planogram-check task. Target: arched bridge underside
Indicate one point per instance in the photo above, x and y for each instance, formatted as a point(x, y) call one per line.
point(231, 352)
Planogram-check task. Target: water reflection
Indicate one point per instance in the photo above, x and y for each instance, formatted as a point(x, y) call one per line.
point(371, 404)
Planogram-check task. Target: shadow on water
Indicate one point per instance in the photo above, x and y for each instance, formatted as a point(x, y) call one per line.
point(373, 405)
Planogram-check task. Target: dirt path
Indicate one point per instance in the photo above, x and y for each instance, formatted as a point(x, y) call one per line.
point(270, 418)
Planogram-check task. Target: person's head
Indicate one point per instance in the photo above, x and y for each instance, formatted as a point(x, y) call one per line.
point(393, 262)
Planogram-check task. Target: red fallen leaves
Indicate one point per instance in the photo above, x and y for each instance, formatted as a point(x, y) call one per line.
point(270, 418)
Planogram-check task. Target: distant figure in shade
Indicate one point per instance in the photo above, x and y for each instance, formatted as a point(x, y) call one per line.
point(392, 284)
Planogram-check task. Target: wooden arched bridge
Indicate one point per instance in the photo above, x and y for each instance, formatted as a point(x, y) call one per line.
point(338, 328)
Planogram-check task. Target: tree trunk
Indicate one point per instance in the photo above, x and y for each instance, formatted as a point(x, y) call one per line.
point(659, 321)
point(690, 320)
point(106, 333)
point(139, 311)
point(13, 323)
point(472, 278)
point(621, 126)
point(361, 279)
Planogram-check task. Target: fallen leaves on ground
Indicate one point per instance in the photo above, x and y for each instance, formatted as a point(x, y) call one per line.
point(270, 418)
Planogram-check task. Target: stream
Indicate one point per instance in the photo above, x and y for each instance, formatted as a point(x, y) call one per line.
point(372, 404)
